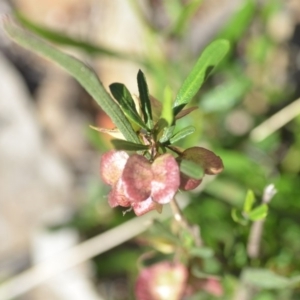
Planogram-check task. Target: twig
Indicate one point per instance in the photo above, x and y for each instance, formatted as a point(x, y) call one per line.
point(177, 213)
point(257, 227)
point(275, 122)
point(180, 218)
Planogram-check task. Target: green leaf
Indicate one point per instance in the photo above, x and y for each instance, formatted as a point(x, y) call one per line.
point(163, 129)
point(265, 279)
point(238, 217)
point(209, 59)
point(258, 213)
point(166, 133)
point(123, 96)
point(165, 126)
point(62, 39)
point(144, 98)
point(83, 74)
point(167, 111)
point(182, 134)
point(128, 146)
point(249, 201)
point(191, 169)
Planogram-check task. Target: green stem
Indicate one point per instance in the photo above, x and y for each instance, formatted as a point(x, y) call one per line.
point(183, 222)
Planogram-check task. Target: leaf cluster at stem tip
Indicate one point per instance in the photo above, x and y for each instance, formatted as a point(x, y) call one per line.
point(131, 117)
point(140, 114)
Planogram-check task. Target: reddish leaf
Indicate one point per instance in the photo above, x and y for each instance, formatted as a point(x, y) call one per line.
point(211, 163)
point(188, 183)
point(136, 178)
point(165, 180)
point(185, 112)
point(112, 165)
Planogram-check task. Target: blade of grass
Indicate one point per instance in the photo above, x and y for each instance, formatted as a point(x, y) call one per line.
point(82, 73)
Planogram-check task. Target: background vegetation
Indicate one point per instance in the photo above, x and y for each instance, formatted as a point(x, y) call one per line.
point(248, 114)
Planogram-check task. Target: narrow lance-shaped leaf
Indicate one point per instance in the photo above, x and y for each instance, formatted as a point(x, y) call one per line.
point(167, 133)
point(182, 134)
point(123, 96)
point(145, 99)
point(128, 146)
point(83, 74)
point(167, 112)
point(165, 122)
point(209, 59)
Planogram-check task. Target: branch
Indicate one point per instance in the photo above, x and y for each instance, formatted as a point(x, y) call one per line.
point(275, 122)
point(194, 230)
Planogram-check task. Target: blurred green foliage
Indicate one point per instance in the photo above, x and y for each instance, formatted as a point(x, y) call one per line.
point(242, 93)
